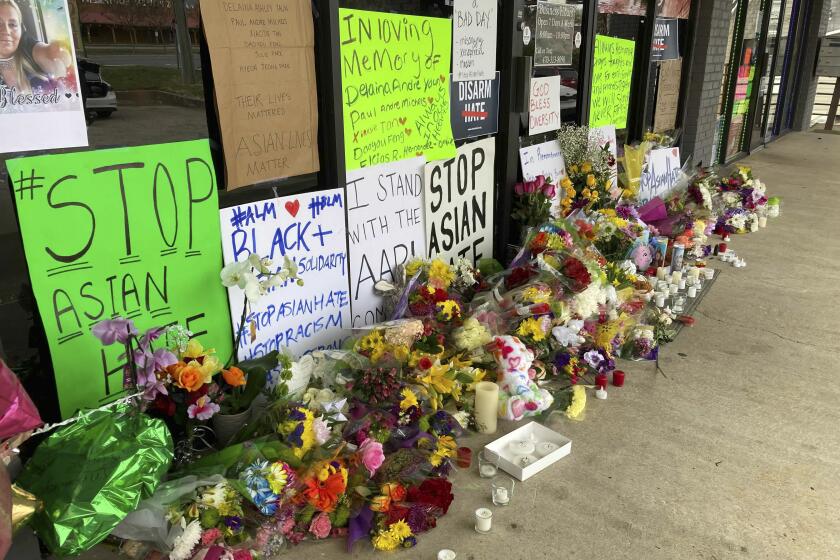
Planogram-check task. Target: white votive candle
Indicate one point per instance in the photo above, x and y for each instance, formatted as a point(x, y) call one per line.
point(692, 292)
point(484, 519)
point(676, 276)
point(674, 289)
point(501, 496)
point(762, 221)
point(681, 284)
point(661, 272)
point(487, 470)
point(694, 273)
point(660, 300)
point(447, 554)
point(709, 273)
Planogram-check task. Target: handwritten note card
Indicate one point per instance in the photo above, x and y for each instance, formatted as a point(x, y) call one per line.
point(131, 232)
point(544, 159)
point(667, 95)
point(544, 105)
point(474, 40)
point(555, 34)
point(459, 203)
point(386, 229)
point(612, 72)
point(395, 87)
point(264, 74)
point(660, 174)
point(309, 229)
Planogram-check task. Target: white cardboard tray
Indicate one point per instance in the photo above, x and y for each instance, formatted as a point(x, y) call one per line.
point(499, 448)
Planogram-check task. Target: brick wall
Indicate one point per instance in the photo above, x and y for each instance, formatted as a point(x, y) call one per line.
point(705, 76)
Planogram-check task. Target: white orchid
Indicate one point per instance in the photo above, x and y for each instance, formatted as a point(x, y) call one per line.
point(232, 274)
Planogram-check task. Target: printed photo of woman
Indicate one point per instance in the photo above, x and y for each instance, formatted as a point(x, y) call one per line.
point(26, 64)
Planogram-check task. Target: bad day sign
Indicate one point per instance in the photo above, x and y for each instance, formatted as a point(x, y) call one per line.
point(385, 220)
point(459, 203)
point(130, 232)
point(309, 229)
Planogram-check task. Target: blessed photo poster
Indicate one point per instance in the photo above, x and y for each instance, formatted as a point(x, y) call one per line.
point(263, 58)
point(308, 229)
point(41, 106)
point(128, 232)
point(386, 229)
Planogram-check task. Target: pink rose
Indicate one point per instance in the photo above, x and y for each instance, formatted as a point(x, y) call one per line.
point(321, 526)
point(210, 536)
point(549, 190)
point(287, 526)
point(530, 187)
point(539, 181)
point(519, 189)
point(372, 455)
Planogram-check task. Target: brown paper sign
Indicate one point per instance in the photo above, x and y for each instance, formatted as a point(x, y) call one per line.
point(264, 75)
point(667, 95)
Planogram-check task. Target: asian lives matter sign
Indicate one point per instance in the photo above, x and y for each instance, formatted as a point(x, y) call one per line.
point(128, 232)
point(310, 230)
point(459, 203)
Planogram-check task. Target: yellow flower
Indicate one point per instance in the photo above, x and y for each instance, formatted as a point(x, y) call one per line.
point(608, 212)
point(573, 169)
point(449, 309)
point(446, 447)
point(440, 274)
point(566, 183)
point(437, 379)
point(400, 530)
point(578, 402)
point(457, 363)
point(586, 167)
point(385, 541)
point(413, 266)
point(531, 327)
point(409, 399)
point(536, 294)
point(401, 353)
point(590, 180)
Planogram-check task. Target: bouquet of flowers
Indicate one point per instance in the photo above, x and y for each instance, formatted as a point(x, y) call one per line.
point(532, 206)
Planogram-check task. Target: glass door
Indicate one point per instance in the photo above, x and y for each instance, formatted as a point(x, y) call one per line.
point(771, 95)
point(737, 138)
point(784, 55)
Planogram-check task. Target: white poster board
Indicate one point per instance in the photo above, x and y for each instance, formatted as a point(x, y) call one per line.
point(310, 230)
point(474, 40)
point(661, 172)
point(459, 203)
point(544, 105)
point(544, 159)
point(385, 229)
point(41, 104)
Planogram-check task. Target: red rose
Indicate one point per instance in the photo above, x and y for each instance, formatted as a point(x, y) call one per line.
point(575, 270)
point(435, 492)
point(425, 362)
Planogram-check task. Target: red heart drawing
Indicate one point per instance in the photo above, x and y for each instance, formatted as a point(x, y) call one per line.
point(430, 100)
point(293, 207)
point(506, 350)
point(514, 362)
point(402, 120)
point(408, 132)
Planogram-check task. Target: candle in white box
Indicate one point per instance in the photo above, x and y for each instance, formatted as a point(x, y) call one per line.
point(486, 406)
point(483, 520)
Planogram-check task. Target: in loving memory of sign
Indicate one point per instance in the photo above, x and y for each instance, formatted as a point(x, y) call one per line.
point(474, 40)
point(660, 174)
point(544, 105)
point(309, 229)
point(128, 232)
point(385, 227)
point(263, 57)
point(459, 203)
point(394, 87)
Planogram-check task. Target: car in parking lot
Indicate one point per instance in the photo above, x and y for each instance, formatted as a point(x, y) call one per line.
point(100, 98)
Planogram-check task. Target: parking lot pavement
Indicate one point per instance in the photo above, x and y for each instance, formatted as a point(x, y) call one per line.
point(137, 126)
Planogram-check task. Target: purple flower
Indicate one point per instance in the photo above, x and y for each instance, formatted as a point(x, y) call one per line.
point(562, 359)
point(153, 389)
point(114, 330)
point(594, 359)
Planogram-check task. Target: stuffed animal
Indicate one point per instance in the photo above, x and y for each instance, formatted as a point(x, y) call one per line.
point(519, 396)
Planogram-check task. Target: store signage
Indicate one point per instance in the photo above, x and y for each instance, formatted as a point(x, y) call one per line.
point(395, 87)
point(544, 105)
point(459, 203)
point(666, 41)
point(385, 218)
point(475, 107)
point(310, 230)
point(661, 172)
point(612, 72)
point(265, 93)
point(474, 40)
point(130, 232)
point(555, 34)
point(41, 108)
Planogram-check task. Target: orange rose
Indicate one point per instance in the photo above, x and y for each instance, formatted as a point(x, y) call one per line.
point(186, 376)
point(380, 504)
point(394, 491)
point(234, 376)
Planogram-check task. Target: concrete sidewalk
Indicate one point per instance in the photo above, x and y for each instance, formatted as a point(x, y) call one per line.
point(732, 450)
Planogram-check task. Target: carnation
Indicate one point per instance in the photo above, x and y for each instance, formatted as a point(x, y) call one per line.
point(320, 526)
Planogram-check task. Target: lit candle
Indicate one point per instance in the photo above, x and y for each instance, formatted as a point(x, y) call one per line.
point(486, 406)
point(483, 520)
point(692, 292)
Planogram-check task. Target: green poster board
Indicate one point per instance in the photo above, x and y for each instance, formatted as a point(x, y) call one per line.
point(395, 87)
point(612, 72)
point(131, 232)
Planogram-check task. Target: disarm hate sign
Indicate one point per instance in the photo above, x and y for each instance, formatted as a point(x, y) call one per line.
point(385, 221)
point(263, 56)
point(309, 229)
point(459, 203)
point(475, 108)
point(131, 232)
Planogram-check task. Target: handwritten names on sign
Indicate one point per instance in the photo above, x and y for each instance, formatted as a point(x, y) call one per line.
point(309, 229)
point(544, 105)
point(554, 39)
point(544, 159)
point(394, 87)
point(130, 232)
point(263, 60)
point(459, 203)
point(612, 72)
point(474, 40)
point(667, 95)
point(660, 174)
point(385, 227)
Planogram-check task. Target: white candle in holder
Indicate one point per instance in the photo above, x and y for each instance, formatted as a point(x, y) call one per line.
point(483, 520)
point(709, 273)
point(660, 300)
point(762, 221)
point(692, 292)
point(661, 272)
point(486, 407)
point(676, 276)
